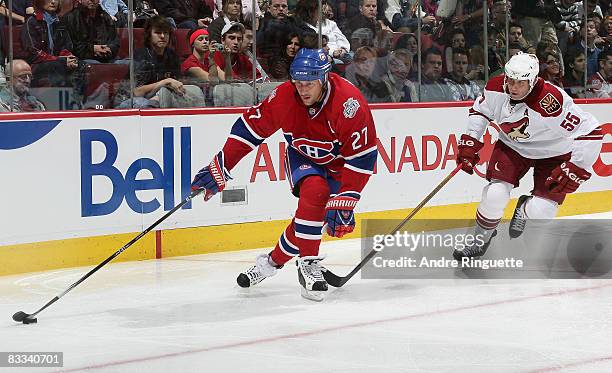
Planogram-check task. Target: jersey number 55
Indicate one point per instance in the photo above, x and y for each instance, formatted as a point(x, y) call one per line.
point(571, 121)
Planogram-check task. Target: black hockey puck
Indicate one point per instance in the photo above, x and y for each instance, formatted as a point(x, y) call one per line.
point(243, 281)
point(30, 321)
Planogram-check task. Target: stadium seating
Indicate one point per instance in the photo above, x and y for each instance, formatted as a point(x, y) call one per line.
point(233, 94)
point(264, 89)
point(124, 47)
point(106, 73)
point(18, 51)
point(181, 46)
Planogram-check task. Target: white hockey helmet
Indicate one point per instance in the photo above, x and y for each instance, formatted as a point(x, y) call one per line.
point(522, 66)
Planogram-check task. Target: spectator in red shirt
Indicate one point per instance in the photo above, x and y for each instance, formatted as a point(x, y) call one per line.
point(232, 63)
point(198, 64)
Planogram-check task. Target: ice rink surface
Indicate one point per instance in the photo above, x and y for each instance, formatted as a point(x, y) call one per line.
point(187, 314)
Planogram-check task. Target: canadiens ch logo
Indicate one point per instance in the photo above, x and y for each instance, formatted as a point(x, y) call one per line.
point(318, 151)
point(550, 104)
point(517, 131)
point(350, 108)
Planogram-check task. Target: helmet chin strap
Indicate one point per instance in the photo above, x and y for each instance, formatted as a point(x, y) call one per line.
point(323, 92)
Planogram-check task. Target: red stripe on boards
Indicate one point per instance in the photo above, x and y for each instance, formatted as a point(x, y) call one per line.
point(158, 244)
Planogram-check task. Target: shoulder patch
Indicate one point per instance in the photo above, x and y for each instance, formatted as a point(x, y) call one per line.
point(350, 108)
point(550, 104)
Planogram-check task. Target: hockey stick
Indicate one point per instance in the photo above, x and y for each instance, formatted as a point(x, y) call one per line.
point(30, 319)
point(337, 281)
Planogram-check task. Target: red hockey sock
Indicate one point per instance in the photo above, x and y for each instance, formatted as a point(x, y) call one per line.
point(485, 222)
point(303, 235)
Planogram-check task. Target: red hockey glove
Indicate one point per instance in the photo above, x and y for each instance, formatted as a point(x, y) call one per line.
point(566, 178)
point(211, 178)
point(467, 156)
point(339, 216)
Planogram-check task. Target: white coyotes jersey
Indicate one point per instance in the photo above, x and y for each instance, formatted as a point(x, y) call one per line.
point(547, 123)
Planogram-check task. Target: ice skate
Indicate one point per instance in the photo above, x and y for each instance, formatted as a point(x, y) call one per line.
point(311, 278)
point(263, 268)
point(519, 218)
point(476, 250)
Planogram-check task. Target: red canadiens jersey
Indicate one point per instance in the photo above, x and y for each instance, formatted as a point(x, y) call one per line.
point(338, 134)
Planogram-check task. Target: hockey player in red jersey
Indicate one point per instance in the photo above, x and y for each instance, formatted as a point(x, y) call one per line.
point(541, 127)
point(331, 155)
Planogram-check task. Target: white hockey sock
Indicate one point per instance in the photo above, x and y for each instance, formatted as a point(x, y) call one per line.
point(495, 197)
point(541, 208)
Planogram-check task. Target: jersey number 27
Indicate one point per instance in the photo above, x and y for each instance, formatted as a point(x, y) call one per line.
point(356, 136)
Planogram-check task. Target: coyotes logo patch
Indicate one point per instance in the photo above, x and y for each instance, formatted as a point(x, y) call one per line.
point(350, 108)
point(517, 131)
point(550, 104)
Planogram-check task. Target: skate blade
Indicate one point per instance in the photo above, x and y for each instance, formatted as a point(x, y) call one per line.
point(316, 296)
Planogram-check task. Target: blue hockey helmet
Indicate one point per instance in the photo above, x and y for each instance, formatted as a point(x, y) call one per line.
point(310, 64)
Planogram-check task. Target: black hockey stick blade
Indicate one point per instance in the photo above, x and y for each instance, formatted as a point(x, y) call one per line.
point(24, 318)
point(333, 279)
point(337, 281)
point(30, 319)
point(19, 316)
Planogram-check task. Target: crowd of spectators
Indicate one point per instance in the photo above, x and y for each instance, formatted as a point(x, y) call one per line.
point(184, 49)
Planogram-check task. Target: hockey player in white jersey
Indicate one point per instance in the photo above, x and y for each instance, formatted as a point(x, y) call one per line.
point(541, 127)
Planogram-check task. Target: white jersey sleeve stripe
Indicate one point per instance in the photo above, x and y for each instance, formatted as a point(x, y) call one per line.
point(361, 171)
point(242, 140)
point(369, 150)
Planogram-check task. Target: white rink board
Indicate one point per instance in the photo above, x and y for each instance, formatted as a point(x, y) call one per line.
point(45, 196)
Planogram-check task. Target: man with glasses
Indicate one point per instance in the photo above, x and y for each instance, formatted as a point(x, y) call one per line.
point(20, 72)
